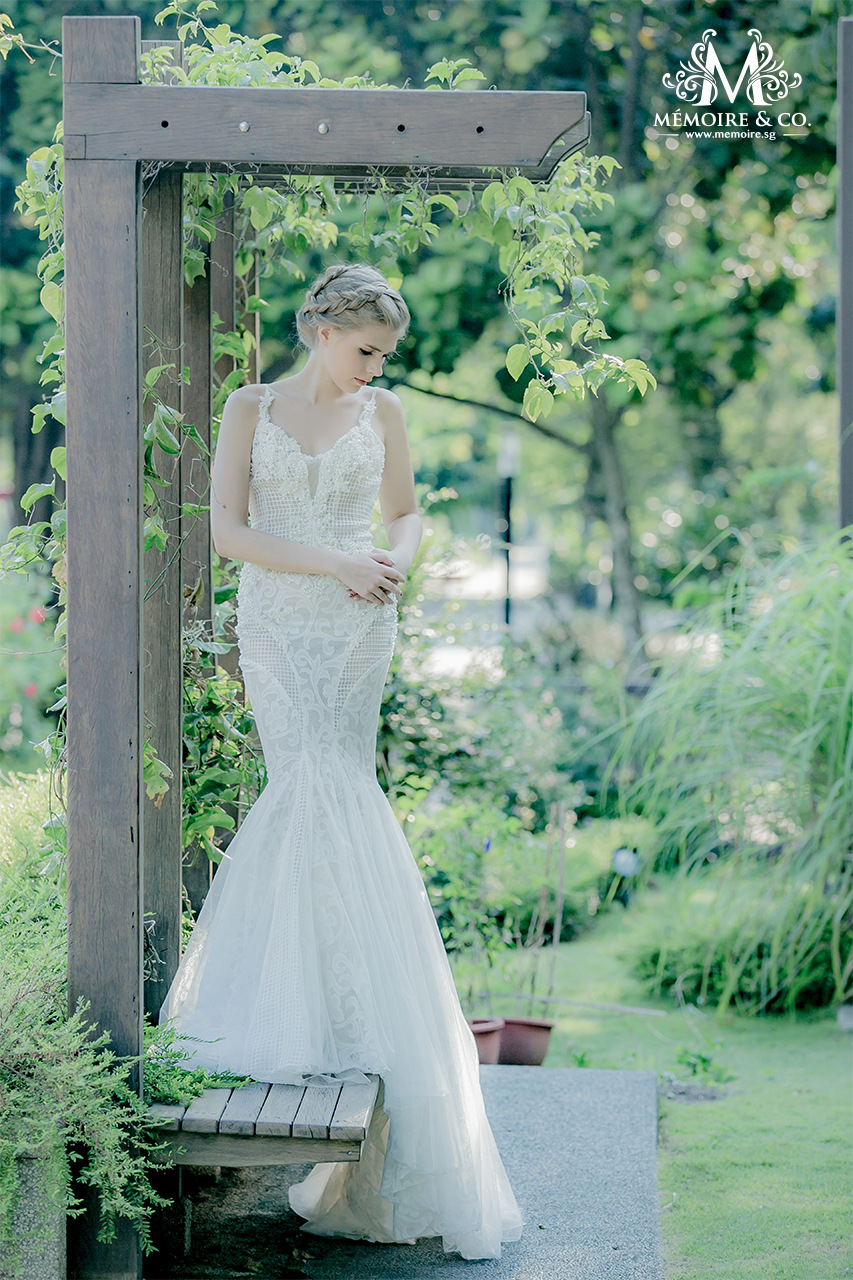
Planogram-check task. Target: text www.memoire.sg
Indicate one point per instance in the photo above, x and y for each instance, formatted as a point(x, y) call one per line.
point(732, 133)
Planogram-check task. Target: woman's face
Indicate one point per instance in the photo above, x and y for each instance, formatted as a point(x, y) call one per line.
point(354, 357)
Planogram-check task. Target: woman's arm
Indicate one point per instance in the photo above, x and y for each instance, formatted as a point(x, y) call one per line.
point(397, 499)
point(229, 514)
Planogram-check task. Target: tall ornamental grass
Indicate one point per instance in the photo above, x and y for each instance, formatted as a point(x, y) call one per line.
point(741, 754)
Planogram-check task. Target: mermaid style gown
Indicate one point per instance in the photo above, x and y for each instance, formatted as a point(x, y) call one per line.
point(316, 954)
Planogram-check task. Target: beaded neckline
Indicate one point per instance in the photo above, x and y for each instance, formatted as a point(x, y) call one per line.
point(363, 418)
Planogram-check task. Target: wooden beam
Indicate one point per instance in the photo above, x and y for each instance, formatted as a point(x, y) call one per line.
point(234, 1152)
point(162, 297)
point(844, 223)
point(322, 126)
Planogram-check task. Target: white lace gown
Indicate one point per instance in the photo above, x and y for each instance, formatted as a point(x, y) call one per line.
point(316, 955)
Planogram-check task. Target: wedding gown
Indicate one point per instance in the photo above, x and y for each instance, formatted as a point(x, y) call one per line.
point(316, 955)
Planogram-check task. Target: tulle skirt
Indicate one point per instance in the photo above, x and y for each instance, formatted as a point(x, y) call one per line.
point(316, 955)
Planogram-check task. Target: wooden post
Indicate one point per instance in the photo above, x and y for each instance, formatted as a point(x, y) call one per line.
point(197, 408)
point(844, 223)
point(197, 570)
point(222, 293)
point(162, 297)
point(105, 731)
point(224, 304)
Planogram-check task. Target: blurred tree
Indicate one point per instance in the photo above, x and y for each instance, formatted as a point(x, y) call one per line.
point(686, 246)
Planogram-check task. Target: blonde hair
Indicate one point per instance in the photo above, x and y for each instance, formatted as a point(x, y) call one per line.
point(350, 296)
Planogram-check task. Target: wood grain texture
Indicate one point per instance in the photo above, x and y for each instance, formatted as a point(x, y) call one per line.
point(104, 579)
point(243, 1109)
point(161, 306)
point(315, 1112)
point(204, 1113)
point(223, 301)
point(278, 1111)
point(354, 1110)
point(196, 547)
point(104, 500)
point(196, 405)
point(100, 50)
point(378, 126)
point(171, 1114)
point(230, 1151)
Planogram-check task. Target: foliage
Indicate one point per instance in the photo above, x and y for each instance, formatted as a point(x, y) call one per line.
point(222, 765)
point(64, 1094)
point(166, 1080)
point(741, 937)
point(742, 753)
point(29, 671)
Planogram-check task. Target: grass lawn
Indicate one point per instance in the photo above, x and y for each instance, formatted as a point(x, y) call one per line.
point(755, 1185)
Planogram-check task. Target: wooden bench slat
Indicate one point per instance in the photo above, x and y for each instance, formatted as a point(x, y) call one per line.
point(243, 1109)
point(234, 1151)
point(353, 1111)
point(171, 1113)
point(204, 1113)
point(315, 1112)
point(278, 1111)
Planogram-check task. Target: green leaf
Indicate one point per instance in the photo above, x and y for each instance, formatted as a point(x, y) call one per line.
point(57, 460)
point(470, 73)
point(164, 437)
point(154, 534)
point(57, 406)
point(154, 373)
point(190, 430)
point(260, 205)
point(517, 360)
point(155, 773)
point(35, 492)
point(51, 299)
point(579, 328)
point(538, 400)
point(39, 412)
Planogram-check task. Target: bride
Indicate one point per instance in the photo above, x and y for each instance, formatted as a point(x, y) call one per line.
point(316, 956)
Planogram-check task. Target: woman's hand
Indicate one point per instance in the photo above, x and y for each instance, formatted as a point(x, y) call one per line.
point(372, 576)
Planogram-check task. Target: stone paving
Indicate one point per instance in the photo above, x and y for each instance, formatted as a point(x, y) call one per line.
point(579, 1148)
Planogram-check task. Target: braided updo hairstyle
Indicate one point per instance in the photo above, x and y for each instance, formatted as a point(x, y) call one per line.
point(350, 295)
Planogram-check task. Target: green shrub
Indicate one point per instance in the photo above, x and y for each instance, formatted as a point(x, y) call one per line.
point(485, 871)
point(63, 1095)
point(742, 753)
point(29, 671)
point(713, 940)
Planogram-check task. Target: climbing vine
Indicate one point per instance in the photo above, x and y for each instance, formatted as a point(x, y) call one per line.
point(537, 230)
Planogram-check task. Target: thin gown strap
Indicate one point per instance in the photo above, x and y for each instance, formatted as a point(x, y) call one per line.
point(264, 404)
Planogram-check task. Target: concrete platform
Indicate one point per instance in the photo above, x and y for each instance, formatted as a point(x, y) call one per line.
point(579, 1148)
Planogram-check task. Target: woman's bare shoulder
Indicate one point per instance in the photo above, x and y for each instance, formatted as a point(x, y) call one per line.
point(389, 409)
point(241, 407)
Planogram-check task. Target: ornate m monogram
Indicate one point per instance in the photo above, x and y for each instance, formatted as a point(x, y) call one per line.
point(700, 79)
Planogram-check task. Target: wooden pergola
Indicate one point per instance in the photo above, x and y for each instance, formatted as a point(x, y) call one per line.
point(123, 280)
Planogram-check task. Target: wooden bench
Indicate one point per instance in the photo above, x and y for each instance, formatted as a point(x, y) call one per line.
point(263, 1124)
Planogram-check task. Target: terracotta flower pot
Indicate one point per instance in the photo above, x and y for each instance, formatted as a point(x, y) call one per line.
point(524, 1041)
point(487, 1033)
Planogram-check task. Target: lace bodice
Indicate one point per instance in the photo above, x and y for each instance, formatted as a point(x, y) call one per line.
point(323, 500)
